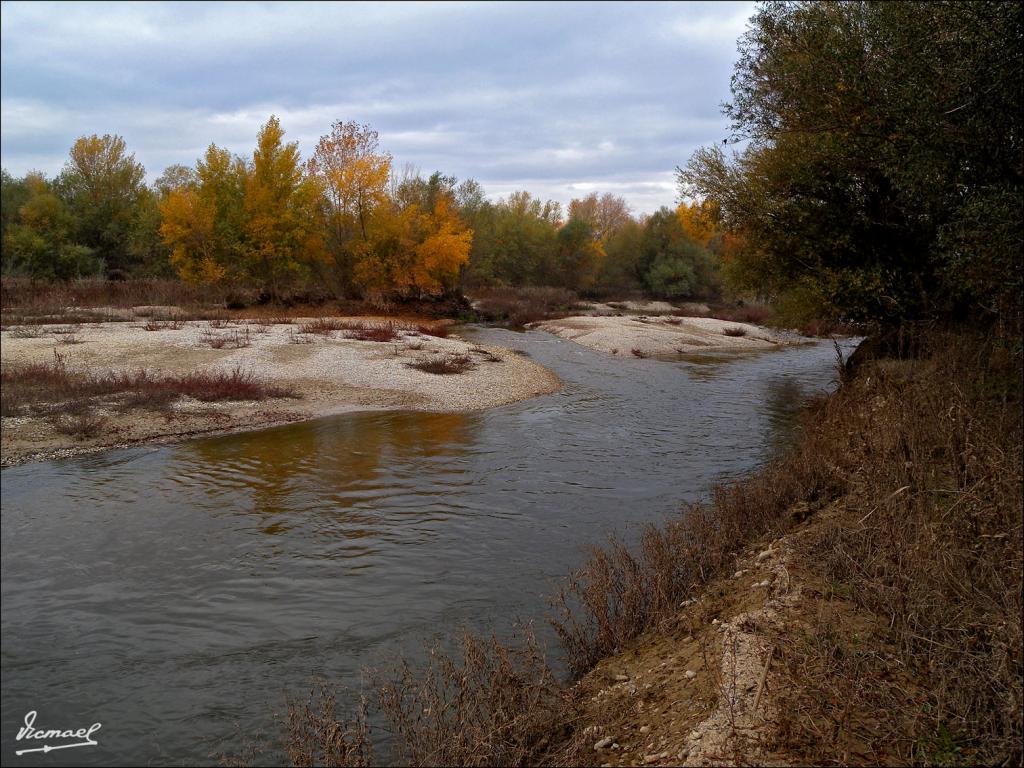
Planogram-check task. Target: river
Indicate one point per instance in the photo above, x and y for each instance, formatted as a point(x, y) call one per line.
point(176, 593)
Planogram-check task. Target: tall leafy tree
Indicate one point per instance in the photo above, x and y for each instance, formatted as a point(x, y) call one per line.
point(354, 175)
point(882, 179)
point(101, 184)
point(603, 213)
point(40, 243)
point(203, 218)
point(280, 203)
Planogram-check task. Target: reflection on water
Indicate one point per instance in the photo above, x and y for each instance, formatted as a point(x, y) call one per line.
point(175, 593)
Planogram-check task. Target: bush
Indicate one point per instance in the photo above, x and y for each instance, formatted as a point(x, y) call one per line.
point(443, 366)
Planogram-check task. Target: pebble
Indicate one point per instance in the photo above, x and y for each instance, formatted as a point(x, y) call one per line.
point(738, 574)
point(764, 555)
point(683, 754)
point(690, 674)
point(621, 678)
point(648, 759)
point(645, 729)
point(605, 742)
point(715, 622)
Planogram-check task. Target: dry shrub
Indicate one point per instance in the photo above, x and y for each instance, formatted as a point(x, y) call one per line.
point(325, 326)
point(443, 366)
point(314, 735)
point(491, 703)
point(51, 387)
point(80, 426)
point(734, 330)
point(379, 332)
point(300, 338)
point(86, 300)
point(234, 340)
point(637, 352)
point(520, 306)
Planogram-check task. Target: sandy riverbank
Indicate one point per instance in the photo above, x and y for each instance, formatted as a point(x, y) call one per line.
point(665, 336)
point(329, 373)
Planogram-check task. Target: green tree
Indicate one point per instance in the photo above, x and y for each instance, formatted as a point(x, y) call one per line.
point(13, 194)
point(40, 243)
point(101, 184)
point(882, 179)
point(671, 264)
point(578, 256)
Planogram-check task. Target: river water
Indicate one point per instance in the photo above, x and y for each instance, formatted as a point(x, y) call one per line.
point(176, 593)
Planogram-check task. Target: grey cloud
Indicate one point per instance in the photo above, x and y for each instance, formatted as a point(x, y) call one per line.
point(538, 96)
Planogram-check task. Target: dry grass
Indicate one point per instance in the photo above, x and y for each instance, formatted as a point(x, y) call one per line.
point(734, 331)
point(380, 332)
point(53, 388)
point(925, 456)
point(171, 324)
point(445, 365)
point(234, 340)
point(323, 326)
point(929, 543)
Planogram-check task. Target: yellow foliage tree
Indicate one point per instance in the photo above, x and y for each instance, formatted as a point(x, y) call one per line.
point(201, 220)
point(281, 226)
point(354, 176)
point(700, 220)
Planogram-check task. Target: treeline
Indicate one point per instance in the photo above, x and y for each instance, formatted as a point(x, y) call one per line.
point(344, 221)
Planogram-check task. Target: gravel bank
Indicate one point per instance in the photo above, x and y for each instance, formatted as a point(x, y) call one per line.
point(666, 337)
point(330, 373)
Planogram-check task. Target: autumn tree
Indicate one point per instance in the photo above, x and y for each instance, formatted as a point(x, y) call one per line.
point(203, 218)
point(101, 184)
point(280, 203)
point(421, 243)
point(621, 270)
point(672, 264)
point(604, 214)
point(354, 175)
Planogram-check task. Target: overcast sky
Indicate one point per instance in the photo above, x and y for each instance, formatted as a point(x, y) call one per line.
point(558, 99)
